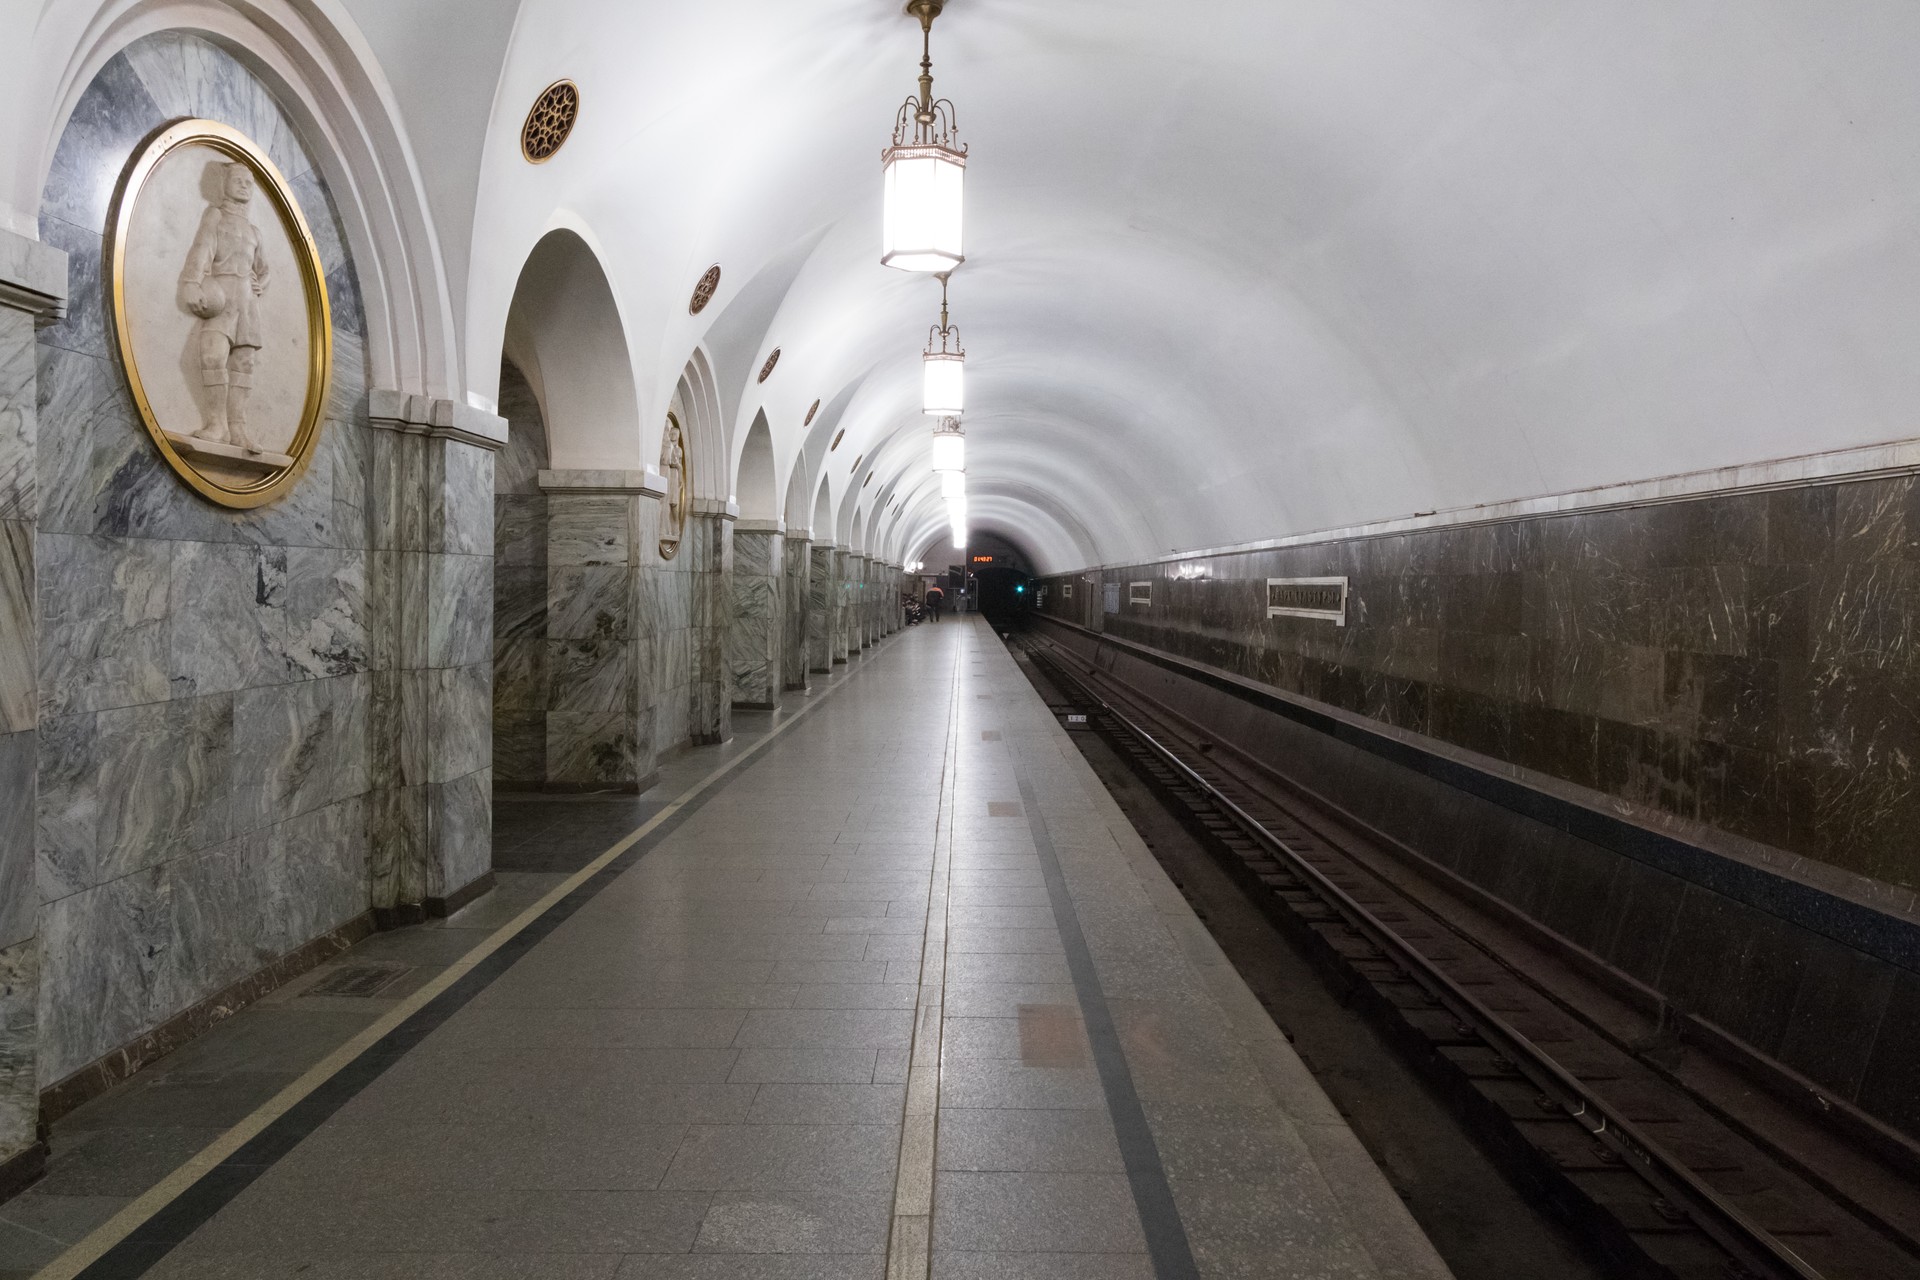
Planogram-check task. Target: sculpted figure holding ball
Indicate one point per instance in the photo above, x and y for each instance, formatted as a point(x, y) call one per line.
point(226, 273)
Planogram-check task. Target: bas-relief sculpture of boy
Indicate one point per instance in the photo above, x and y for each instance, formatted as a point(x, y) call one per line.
point(225, 275)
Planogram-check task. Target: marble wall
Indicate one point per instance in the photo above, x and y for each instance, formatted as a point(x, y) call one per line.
point(797, 597)
point(821, 597)
point(33, 282)
point(755, 635)
point(707, 551)
point(1744, 662)
point(520, 692)
point(253, 726)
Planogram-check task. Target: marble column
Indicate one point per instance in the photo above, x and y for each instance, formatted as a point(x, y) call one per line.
point(33, 289)
point(430, 583)
point(708, 544)
point(755, 638)
point(820, 598)
point(796, 594)
point(843, 606)
point(601, 531)
point(862, 600)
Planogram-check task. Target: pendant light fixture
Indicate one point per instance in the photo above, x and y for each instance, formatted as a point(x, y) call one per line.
point(949, 446)
point(944, 386)
point(924, 171)
point(953, 484)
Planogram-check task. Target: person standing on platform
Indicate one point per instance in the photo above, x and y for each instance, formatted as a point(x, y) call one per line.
point(935, 598)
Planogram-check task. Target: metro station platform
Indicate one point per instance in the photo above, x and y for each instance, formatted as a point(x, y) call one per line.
point(887, 986)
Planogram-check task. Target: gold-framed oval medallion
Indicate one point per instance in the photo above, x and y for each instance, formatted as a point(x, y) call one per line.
point(220, 312)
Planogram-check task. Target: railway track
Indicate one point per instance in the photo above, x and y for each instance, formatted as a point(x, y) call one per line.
point(1661, 1185)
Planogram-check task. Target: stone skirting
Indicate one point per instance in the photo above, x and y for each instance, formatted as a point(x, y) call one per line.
point(108, 1070)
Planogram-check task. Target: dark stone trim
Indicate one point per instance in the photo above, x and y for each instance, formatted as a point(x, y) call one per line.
point(387, 919)
point(587, 788)
point(479, 886)
point(23, 1168)
point(756, 706)
point(1879, 934)
point(108, 1070)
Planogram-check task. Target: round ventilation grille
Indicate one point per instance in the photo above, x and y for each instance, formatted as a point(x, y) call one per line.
point(551, 120)
point(810, 412)
point(838, 436)
point(704, 291)
point(767, 368)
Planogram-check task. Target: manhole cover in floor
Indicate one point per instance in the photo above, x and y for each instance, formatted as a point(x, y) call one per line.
point(361, 980)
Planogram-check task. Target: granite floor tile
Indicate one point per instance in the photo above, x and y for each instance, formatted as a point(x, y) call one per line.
point(1035, 1212)
point(804, 1066)
point(796, 1222)
point(1031, 1141)
point(786, 1156)
point(877, 1104)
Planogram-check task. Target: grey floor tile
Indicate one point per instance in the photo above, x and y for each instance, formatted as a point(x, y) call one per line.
point(36, 1228)
point(967, 939)
point(193, 1263)
point(542, 1154)
point(859, 1266)
point(804, 1066)
point(854, 995)
point(1035, 1212)
point(827, 1104)
point(1028, 1142)
point(1003, 999)
point(951, 1265)
point(593, 1028)
point(796, 1222)
point(995, 1084)
point(117, 1162)
point(786, 1157)
point(811, 1028)
point(975, 966)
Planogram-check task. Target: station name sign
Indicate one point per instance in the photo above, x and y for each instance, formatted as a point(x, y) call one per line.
point(1324, 599)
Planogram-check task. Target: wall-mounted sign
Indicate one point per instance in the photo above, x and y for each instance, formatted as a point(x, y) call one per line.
point(1140, 593)
point(220, 312)
point(1066, 591)
point(1110, 597)
point(1324, 599)
point(983, 560)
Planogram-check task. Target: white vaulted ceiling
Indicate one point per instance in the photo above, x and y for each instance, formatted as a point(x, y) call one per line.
point(1237, 269)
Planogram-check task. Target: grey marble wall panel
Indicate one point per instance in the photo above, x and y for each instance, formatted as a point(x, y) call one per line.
point(459, 720)
point(460, 610)
point(106, 953)
point(520, 529)
point(19, 395)
point(596, 674)
point(708, 548)
point(397, 844)
point(820, 595)
point(465, 517)
point(397, 477)
point(796, 598)
point(104, 623)
point(228, 615)
point(126, 789)
point(754, 634)
point(461, 817)
point(589, 529)
point(592, 748)
point(316, 872)
point(18, 808)
point(19, 661)
point(327, 620)
point(223, 921)
point(590, 602)
point(19, 1045)
point(289, 740)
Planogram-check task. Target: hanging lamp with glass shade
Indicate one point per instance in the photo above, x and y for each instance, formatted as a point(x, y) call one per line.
point(924, 171)
point(944, 385)
point(953, 484)
point(949, 446)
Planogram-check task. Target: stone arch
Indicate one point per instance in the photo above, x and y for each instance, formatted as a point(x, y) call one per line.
point(696, 404)
point(753, 486)
point(823, 513)
point(796, 513)
point(565, 334)
point(856, 535)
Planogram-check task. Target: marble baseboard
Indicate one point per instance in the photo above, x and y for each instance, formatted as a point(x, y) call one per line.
point(109, 1069)
point(22, 1169)
point(466, 895)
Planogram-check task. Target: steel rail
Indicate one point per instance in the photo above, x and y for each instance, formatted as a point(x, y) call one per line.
point(1725, 1223)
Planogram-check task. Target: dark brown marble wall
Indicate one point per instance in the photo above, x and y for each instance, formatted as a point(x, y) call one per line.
point(1745, 661)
